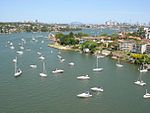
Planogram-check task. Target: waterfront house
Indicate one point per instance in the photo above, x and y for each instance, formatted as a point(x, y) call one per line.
point(147, 51)
point(126, 45)
point(139, 48)
point(147, 33)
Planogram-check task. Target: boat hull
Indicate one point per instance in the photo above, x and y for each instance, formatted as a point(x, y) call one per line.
point(97, 69)
point(43, 75)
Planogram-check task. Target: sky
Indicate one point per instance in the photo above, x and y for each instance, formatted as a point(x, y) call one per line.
point(67, 11)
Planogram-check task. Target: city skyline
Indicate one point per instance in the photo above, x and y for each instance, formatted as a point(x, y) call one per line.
point(67, 11)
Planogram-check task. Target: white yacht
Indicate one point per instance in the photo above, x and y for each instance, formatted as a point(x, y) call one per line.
point(20, 52)
point(58, 71)
point(18, 71)
point(83, 77)
point(84, 95)
point(33, 66)
point(71, 64)
point(97, 69)
point(97, 89)
point(147, 95)
point(43, 73)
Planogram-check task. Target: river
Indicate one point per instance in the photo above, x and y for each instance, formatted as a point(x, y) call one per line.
point(29, 93)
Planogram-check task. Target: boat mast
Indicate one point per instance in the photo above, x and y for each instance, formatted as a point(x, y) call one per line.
point(44, 70)
point(16, 65)
point(97, 62)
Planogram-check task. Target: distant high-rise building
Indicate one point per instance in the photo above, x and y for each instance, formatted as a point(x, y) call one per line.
point(36, 21)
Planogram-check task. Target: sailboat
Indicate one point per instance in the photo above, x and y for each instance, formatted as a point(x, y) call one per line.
point(118, 63)
point(140, 81)
point(97, 67)
point(18, 71)
point(142, 68)
point(43, 74)
point(147, 95)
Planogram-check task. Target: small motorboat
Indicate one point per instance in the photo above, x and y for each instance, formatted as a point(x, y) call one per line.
point(119, 65)
point(71, 64)
point(39, 53)
point(33, 66)
point(43, 75)
point(97, 89)
point(147, 95)
point(84, 95)
point(83, 77)
point(20, 52)
point(58, 71)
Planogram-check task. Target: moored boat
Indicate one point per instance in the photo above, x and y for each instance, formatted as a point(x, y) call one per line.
point(84, 95)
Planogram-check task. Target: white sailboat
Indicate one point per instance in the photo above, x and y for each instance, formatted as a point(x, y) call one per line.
point(43, 73)
point(118, 63)
point(147, 95)
point(97, 67)
point(140, 81)
point(18, 71)
point(142, 68)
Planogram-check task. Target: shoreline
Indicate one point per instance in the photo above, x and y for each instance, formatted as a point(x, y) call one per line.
point(58, 46)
